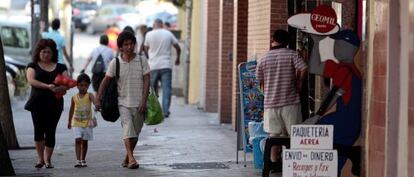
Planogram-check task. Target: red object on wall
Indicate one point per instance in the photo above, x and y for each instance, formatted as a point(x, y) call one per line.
point(323, 18)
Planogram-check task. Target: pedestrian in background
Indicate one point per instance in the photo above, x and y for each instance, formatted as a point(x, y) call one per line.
point(112, 31)
point(158, 44)
point(43, 105)
point(60, 43)
point(133, 88)
point(80, 117)
point(106, 54)
point(141, 33)
point(281, 72)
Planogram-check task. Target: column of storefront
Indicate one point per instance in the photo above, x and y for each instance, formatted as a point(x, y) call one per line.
point(225, 60)
point(239, 49)
point(212, 56)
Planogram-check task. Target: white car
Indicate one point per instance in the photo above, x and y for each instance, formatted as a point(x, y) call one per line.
point(120, 15)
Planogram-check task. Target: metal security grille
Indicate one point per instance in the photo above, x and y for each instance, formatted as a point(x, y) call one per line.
point(205, 165)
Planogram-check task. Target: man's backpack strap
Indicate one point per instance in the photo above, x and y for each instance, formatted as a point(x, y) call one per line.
point(117, 68)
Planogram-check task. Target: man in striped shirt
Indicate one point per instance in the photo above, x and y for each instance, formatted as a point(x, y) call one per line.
point(281, 72)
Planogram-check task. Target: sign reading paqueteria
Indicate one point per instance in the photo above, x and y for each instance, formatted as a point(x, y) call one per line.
point(310, 163)
point(311, 137)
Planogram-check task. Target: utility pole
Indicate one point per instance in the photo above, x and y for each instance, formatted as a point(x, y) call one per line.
point(44, 13)
point(35, 11)
point(40, 13)
point(6, 167)
point(188, 10)
point(6, 116)
point(6, 119)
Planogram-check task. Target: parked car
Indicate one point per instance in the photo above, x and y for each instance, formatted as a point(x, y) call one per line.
point(164, 16)
point(83, 13)
point(119, 14)
point(12, 73)
point(15, 32)
point(16, 77)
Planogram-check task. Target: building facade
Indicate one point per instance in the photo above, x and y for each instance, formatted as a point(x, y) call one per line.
point(229, 32)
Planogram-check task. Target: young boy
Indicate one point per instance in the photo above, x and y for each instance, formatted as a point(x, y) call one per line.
point(80, 115)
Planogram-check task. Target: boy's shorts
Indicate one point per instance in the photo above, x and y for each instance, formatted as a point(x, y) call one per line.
point(279, 120)
point(83, 133)
point(131, 122)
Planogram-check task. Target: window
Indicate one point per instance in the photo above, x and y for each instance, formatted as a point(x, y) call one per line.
point(15, 37)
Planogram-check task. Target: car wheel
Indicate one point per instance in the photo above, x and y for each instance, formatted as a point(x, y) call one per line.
point(90, 29)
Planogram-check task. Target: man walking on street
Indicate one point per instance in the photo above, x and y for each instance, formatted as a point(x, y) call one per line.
point(280, 72)
point(133, 88)
point(106, 55)
point(158, 43)
point(60, 42)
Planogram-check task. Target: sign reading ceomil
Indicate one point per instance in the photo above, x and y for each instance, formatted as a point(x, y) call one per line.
point(310, 163)
point(311, 137)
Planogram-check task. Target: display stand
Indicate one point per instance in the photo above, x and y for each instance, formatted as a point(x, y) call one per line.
point(250, 105)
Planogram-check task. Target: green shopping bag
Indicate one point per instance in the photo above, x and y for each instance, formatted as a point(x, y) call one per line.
point(154, 113)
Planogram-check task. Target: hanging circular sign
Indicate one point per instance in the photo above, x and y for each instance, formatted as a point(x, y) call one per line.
point(323, 18)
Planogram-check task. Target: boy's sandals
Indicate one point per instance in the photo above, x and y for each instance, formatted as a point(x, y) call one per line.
point(48, 165)
point(124, 164)
point(78, 164)
point(133, 165)
point(39, 165)
point(83, 163)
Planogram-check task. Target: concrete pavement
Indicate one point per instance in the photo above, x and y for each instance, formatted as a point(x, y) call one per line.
point(189, 139)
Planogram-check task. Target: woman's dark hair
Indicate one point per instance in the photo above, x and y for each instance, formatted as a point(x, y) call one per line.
point(42, 44)
point(83, 78)
point(125, 35)
point(104, 39)
point(281, 37)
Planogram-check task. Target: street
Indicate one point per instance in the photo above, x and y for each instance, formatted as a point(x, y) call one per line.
point(189, 143)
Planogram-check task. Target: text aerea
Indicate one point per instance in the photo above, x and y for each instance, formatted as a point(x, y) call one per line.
point(323, 19)
point(309, 142)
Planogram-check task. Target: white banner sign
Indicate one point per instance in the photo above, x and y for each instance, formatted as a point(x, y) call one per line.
point(311, 137)
point(310, 163)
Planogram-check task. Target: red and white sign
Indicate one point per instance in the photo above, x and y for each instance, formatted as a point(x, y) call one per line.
point(310, 163)
point(321, 21)
point(311, 137)
point(323, 18)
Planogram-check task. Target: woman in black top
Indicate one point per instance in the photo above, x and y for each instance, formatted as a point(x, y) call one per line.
point(44, 106)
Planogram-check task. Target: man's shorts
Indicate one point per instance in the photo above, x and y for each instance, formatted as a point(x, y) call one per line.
point(83, 133)
point(131, 122)
point(279, 120)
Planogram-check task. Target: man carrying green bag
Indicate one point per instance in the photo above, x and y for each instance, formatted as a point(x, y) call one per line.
point(154, 114)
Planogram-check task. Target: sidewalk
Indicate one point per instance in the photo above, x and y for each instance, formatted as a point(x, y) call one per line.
point(189, 143)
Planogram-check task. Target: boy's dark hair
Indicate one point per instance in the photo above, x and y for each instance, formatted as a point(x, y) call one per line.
point(281, 37)
point(125, 35)
point(104, 39)
point(83, 78)
point(129, 28)
point(55, 24)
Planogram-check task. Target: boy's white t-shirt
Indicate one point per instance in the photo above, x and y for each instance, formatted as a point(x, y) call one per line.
point(159, 42)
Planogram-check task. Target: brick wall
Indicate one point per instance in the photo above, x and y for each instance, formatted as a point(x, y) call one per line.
point(239, 49)
point(212, 55)
point(225, 62)
point(258, 27)
point(377, 120)
point(265, 16)
point(410, 143)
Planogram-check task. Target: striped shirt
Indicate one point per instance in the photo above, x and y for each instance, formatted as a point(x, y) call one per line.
point(277, 69)
point(131, 81)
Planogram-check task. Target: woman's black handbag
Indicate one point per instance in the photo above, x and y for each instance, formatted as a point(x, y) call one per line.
point(109, 101)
